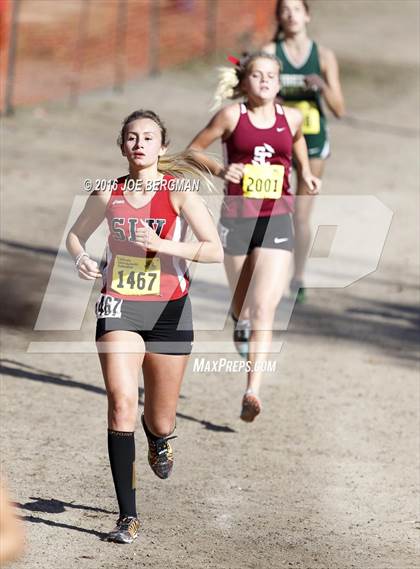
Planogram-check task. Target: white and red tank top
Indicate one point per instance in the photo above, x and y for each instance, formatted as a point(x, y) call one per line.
point(131, 272)
point(259, 146)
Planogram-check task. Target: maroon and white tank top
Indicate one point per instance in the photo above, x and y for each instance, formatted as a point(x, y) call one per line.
point(267, 154)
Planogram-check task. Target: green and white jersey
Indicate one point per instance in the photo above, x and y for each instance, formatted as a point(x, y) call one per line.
point(295, 93)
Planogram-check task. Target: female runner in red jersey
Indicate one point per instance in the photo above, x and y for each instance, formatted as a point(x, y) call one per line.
point(259, 136)
point(144, 316)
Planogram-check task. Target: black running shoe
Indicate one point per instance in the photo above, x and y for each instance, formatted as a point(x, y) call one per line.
point(161, 455)
point(126, 530)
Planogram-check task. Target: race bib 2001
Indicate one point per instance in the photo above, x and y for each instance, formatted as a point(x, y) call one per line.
point(263, 181)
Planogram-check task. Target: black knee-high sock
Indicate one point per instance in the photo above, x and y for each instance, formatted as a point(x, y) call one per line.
point(121, 450)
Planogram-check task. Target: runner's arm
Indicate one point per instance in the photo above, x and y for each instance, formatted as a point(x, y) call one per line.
point(300, 150)
point(11, 531)
point(332, 91)
point(208, 249)
point(88, 221)
point(300, 154)
point(219, 127)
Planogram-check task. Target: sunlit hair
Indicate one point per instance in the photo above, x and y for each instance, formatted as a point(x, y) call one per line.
point(179, 164)
point(279, 31)
point(230, 78)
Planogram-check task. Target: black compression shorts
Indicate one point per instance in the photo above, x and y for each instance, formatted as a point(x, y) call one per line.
point(240, 236)
point(165, 326)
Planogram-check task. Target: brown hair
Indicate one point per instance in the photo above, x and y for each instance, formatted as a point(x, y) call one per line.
point(143, 114)
point(279, 29)
point(178, 164)
point(230, 78)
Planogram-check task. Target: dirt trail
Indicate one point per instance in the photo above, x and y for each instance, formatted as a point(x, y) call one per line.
point(326, 478)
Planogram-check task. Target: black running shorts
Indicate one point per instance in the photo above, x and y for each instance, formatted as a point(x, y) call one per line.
point(240, 236)
point(165, 326)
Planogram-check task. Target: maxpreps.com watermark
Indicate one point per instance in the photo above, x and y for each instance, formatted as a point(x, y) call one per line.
point(171, 184)
point(204, 365)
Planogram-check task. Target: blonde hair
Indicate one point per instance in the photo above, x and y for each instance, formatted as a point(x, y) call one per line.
point(179, 164)
point(230, 78)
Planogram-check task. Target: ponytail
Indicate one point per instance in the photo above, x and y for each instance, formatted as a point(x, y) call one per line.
point(227, 87)
point(182, 164)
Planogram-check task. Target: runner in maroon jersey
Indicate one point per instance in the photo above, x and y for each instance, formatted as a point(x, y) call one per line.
point(259, 138)
point(144, 313)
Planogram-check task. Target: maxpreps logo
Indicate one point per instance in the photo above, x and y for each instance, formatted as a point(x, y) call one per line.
point(261, 153)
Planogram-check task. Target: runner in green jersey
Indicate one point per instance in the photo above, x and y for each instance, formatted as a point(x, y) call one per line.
point(296, 93)
point(309, 78)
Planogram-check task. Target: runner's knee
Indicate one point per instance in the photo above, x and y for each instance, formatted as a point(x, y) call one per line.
point(161, 426)
point(122, 411)
point(263, 313)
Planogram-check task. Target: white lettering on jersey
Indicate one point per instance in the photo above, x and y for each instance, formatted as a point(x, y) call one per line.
point(261, 153)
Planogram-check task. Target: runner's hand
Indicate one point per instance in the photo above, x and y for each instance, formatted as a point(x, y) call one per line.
point(233, 173)
point(315, 82)
point(148, 238)
point(313, 184)
point(89, 270)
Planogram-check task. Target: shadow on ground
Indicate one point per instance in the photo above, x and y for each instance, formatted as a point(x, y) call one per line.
point(18, 370)
point(393, 328)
